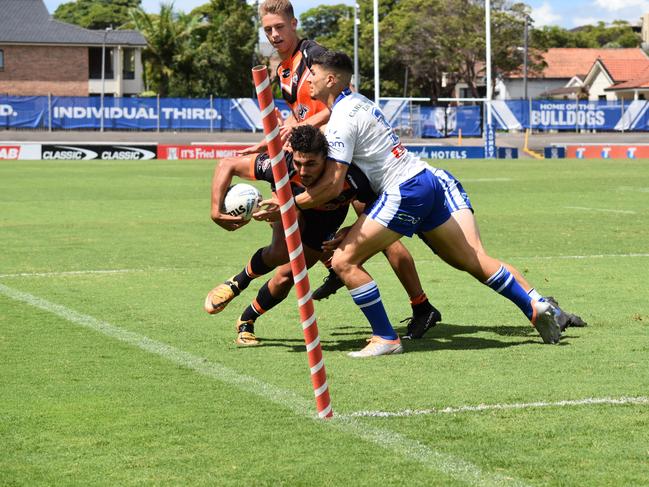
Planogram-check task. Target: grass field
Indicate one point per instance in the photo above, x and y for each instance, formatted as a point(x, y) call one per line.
point(112, 374)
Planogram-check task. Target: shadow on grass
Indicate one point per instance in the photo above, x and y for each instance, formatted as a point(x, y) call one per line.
point(445, 336)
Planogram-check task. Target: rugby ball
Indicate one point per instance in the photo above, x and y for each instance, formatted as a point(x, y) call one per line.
point(241, 200)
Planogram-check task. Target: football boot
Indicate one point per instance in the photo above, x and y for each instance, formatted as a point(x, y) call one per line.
point(566, 319)
point(329, 286)
point(546, 321)
point(420, 322)
point(246, 334)
point(219, 297)
point(378, 346)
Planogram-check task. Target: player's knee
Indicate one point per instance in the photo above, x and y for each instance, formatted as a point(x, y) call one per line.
point(340, 263)
point(282, 284)
point(275, 255)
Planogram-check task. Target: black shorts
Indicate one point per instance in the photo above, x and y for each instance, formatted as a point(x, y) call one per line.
point(320, 226)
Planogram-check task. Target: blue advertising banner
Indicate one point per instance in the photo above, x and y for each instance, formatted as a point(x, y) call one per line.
point(490, 141)
point(554, 152)
point(434, 122)
point(572, 115)
point(242, 114)
point(450, 121)
point(441, 152)
point(23, 111)
point(468, 119)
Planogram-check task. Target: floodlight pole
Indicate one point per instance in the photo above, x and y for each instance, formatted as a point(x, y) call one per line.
point(103, 78)
point(525, 60)
point(376, 52)
point(490, 131)
point(357, 21)
point(488, 60)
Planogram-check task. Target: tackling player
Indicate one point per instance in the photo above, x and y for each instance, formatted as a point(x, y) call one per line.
point(411, 200)
point(280, 27)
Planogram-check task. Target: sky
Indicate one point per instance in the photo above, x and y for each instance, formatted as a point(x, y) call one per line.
point(565, 13)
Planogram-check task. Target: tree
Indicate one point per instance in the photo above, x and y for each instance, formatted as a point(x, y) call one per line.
point(225, 48)
point(96, 14)
point(169, 38)
point(617, 34)
point(433, 44)
point(328, 24)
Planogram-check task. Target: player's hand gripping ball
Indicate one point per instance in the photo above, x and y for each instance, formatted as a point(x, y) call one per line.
point(241, 200)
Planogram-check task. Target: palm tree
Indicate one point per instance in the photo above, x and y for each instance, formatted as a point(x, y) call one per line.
point(168, 36)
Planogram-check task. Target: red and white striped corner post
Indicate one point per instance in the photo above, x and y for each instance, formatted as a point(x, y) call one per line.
point(293, 241)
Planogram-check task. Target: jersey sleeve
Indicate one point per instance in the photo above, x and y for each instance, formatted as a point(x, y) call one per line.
point(263, 170)
point(341, 136)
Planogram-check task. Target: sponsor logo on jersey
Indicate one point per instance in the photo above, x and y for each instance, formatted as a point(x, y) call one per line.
point(286, 73)
point(404, 217)
point(302, 111)
point(265, 163)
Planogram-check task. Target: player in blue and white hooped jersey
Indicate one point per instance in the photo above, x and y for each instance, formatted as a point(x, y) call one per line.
point(411, 200)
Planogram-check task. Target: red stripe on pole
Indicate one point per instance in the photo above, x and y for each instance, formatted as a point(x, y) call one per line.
point(293, 242)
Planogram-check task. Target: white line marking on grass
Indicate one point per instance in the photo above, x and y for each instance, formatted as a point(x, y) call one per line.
point(610, 401)
point(449, 465)
point(601, 210)
point(578, 257)
point(636, 190)
point(82, 273)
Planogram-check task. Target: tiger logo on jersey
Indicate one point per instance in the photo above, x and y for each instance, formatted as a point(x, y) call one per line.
point(302, 111)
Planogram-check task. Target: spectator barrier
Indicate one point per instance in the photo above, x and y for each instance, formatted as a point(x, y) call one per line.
point(242, 114)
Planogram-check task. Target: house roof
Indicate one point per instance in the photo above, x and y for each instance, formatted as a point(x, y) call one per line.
point(641, 81)
point(569, 62)
point(624, 70)
point(29, 22)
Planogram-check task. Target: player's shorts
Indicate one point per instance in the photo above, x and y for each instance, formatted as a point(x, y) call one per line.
point(456, 197)
point(416, 205)
point(319, 226)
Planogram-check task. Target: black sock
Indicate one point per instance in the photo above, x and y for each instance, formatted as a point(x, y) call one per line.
point(264, 301)
point(255, 268)
point(421, 307)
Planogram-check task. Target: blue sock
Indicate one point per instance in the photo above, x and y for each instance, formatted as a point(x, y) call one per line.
point(504, 283)
point(368, 299)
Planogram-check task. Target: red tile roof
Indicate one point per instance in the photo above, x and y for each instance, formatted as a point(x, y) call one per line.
point(639, 81)
point(568, 62)
point(624, 69)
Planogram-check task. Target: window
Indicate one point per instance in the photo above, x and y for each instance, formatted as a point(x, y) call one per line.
point(2, 60)
point(128, 71)
point(94, 62)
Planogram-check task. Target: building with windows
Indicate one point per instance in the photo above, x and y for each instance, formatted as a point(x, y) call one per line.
point(40, 55)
